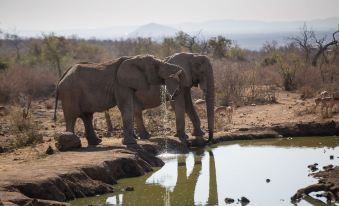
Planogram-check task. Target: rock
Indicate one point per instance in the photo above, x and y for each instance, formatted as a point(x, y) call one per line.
point(129, 189)
point(313, 167)
point(331, 157)
point(244, 201)
point(49, 150)
point(67, 141)
point(328, 167)
point(253, 105)
point(3, 111)
point(229, 200)
point(197, 142)
point(268, 180)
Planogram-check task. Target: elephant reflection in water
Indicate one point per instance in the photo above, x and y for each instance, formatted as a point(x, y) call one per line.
point(171, 185)
point(186, 186)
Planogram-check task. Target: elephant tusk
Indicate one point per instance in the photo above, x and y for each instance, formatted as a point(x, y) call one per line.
point(175, 93)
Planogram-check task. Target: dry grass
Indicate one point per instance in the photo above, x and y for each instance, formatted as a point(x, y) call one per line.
point(307, 92)
point(36, 82)
point(25, 130)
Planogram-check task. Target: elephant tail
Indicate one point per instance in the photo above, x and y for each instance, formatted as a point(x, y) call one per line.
point(56, 102)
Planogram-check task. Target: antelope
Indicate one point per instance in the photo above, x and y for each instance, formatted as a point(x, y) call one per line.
point(225, 111)
point(327, 101)
point(200, 105)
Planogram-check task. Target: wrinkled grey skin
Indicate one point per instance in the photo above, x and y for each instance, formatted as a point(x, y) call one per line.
point(198, 71)
point(88, 88)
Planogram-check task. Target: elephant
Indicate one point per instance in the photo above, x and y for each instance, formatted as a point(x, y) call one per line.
point(198, 71)
point(87, 88)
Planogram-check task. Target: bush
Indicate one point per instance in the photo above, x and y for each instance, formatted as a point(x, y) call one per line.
point(26, 131)
point(36, 82)
point(3, 65)
point(307, 92)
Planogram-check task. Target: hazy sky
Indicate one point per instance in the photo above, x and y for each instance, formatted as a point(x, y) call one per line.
point(75, 14)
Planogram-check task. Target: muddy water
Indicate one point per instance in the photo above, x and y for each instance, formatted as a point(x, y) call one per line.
point(234, 169)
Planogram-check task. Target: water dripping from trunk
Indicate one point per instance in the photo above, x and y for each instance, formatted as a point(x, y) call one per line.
point(164, 113)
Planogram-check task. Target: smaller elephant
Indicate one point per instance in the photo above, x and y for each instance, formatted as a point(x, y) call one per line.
point(87, 88)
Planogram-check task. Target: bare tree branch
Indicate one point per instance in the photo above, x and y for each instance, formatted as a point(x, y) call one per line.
point(323, 48)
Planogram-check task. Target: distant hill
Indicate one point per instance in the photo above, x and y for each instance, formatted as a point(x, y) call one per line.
point(153, 30)
point(243, 26)
point(247, 34)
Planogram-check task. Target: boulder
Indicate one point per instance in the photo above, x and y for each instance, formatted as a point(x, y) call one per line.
point(229, 200)
point(67, 141)
point(49, 150)
point(3, 111)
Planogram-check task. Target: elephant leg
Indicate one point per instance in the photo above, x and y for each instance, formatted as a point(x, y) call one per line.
point(108, 121)
point(70, 115)
point(91, 137)
point(141, 129)
point(70, 122)
point(180, 116)
point(125, 100)
point(192, 114)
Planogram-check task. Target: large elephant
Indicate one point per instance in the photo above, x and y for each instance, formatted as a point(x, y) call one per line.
point(88, 88)
point(198, 71)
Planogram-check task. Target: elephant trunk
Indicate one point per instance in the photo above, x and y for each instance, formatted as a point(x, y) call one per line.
point(209, 97)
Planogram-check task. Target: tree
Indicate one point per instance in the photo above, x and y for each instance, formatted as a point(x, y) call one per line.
point(170, 46)
point(305, 42)
point(15, 40)
point(187, 41)
point(219, 46)
point(289, 65)
point(55, 48)
point(322, 47)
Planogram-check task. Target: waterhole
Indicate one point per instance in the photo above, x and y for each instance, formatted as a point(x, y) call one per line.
point(267, 172)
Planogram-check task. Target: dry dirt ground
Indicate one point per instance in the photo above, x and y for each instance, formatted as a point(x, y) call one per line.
point(31, 162)
point(289, 109)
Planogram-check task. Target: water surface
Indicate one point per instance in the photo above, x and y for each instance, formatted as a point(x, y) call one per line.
point(233, 169)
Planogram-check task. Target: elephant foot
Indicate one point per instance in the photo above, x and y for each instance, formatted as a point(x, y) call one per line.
point(135, 136)
point(129, 141)
point(198, 133)
point(144, 135)
point(94, 141)
point(182, 136)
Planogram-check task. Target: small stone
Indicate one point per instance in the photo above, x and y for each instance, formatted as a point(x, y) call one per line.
point(67, 141)
point(229, 200)
point(328, 167)
point(253, 105)
point(244, 201)
point(49, 150)
point(129, 189)
point(268, 180)
point(313, 167)
point(331, 157)
point(319, 195)
point(3, 111)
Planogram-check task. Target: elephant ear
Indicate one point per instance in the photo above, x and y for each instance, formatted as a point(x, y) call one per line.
point(130, 75)
point(182, 61)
